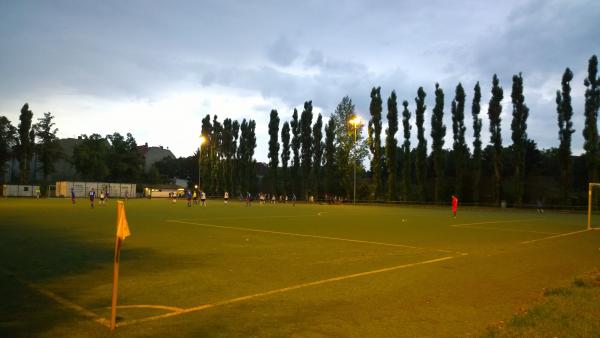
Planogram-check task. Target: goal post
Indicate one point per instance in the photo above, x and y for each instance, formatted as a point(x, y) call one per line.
point(591, 188)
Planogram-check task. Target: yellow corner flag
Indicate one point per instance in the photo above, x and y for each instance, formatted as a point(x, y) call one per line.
point(122, 233)
point(122, 225)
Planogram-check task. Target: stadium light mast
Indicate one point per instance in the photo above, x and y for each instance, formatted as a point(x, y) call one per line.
point(356, 122)
point(202, 141)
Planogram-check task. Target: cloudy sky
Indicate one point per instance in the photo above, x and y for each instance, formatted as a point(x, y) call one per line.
point(155, 68)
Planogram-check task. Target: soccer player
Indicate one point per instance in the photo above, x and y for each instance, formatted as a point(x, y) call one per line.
point(101, 197)
point(189, 198)
point(72, 196)
point(226, 197)
point(92, 198)
point(454, 205)
point(203, 198)
point(293, 199)
point(248, 200)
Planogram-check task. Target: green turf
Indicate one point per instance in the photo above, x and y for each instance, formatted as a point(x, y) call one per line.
point(477, 275)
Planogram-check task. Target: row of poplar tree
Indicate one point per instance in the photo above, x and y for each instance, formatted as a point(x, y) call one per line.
point(307, 158)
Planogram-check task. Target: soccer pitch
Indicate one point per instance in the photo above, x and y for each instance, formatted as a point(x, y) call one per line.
point(279, 270)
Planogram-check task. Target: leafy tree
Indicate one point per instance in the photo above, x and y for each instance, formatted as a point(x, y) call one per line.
point(375, 127)
point(306, 141)
point(8, 140)
point(590, 130)
point(48, 148)
point(285, 155)
point(494, 111)
point(24, 149)
point(475, 109)
point(330, 151)
point(91, 157)
point(438, 132)
point(458, 131)
point(295, 124)
point(421, 151)
point(406, 152)
point(125, 162)
point(273, 149)
point(317, 132)
point(391, 145)
point(565, 131)
point(348, 151)
point(519, 136)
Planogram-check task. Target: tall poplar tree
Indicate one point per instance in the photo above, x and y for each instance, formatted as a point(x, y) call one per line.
point(273, 150)
point(564, 111)
point(519, 136)
point(228, 144)
point(285, 156)
point(390, 146)
point(494, 111)
point(216, 156)
point(375, 126)
point(317, 132)
point(477, 154)
point(330, 164)
point(406, 152)
point(459, 145)
point(24, 150)
point(295, 125)
point(306, 141)
point(421, 151)
point(438, 132)
point(590, 130)
point(205, 159)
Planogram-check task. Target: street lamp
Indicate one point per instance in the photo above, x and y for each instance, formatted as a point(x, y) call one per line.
point(356, 122)
point(202, 141)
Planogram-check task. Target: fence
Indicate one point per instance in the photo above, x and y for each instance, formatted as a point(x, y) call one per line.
point(18, 190)
point(82, 189)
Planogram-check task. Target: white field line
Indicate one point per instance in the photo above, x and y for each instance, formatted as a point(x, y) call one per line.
point(261, 217)
point(310, 236)
point(62, 301)
point(556, 236)
point(472, 226)
point(282, 290)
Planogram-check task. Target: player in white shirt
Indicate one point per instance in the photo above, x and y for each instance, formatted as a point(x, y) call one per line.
point(203, 198)
point(226, 197)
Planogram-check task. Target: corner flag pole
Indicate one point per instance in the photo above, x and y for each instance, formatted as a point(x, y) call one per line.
point(122, 233)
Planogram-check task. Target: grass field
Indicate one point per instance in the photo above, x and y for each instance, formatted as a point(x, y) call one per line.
point(278, 270)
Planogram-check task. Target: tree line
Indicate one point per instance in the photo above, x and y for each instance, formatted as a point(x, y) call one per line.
point(310, 157)
point(112, 157)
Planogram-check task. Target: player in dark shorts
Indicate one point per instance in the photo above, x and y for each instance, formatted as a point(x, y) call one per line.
point(92, 198)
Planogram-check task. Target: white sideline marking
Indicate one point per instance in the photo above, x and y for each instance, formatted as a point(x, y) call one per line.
point(282, 290)
point(60, 300)
point(556, 236)
point(471, 226)
point(310, 236)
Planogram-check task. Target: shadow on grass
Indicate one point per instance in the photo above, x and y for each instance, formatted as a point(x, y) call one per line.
point(68, 264)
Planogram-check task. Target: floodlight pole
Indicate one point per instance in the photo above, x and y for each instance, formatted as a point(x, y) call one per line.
point(355, 126)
